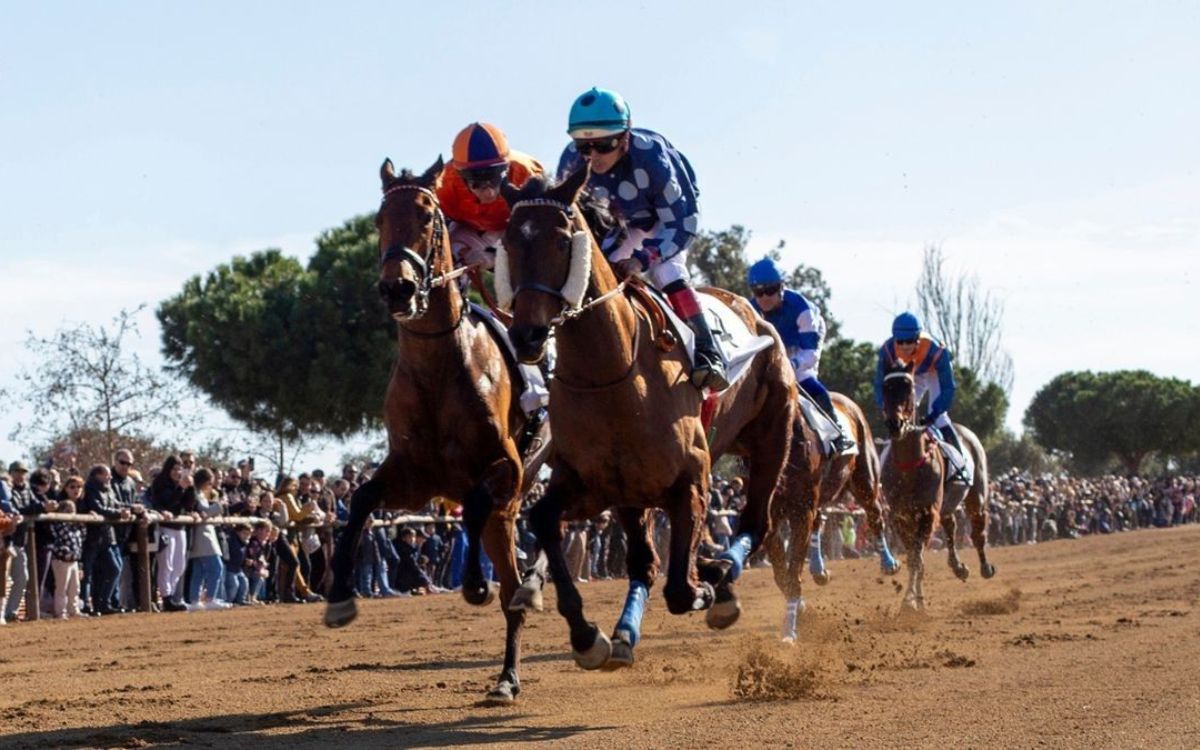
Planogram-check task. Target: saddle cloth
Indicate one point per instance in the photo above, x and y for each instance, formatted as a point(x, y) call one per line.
point(824, 428)
point(735, 341)
point(534, 394)
point(961, 467)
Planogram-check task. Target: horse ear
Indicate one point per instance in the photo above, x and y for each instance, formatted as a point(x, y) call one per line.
point(431, 176)
point(511, 192)
point(568, 190)
point(387, 173)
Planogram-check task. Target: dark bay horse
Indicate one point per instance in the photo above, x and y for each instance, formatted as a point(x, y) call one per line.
point(914, 482)
point(626, 419)
point(811, 482)
point(451, 411)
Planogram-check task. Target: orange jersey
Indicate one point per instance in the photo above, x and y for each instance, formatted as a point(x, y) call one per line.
point(460, 204)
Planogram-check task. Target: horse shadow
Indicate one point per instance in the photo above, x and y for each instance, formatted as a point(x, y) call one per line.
point(321, 726)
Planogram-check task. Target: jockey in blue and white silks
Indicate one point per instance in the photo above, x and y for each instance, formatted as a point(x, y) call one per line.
point(650, 189)
point(802, 328)
point(933, 372)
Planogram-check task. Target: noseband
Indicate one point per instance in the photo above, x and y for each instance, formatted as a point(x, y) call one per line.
point(401, 252)
point(573, 292)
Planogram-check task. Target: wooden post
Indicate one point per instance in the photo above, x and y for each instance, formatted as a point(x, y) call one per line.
point(33, 589)
point(141, 534)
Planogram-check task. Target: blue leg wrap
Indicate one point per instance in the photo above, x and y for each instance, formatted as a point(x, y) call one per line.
point(737, 553)
point(887, 563)
point(816, 561)
point(635, 607)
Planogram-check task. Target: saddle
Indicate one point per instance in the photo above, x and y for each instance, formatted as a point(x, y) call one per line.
point(824, 426)
point(534, 394)
point(736, 343)
point(960, 467)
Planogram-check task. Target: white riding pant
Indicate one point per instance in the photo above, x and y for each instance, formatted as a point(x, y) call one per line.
point(661, 273)
point(470, 246)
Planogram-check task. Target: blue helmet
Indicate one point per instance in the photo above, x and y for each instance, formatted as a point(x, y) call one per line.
point(765, 271)
point(597, 113)
point(906, 326)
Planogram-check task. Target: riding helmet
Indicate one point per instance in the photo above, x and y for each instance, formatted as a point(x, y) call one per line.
point(597, 113)
point(906, 326)
point(765, 271)
point(480, 145)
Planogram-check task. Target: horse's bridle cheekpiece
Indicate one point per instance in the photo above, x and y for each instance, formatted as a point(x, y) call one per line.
point(424, 266)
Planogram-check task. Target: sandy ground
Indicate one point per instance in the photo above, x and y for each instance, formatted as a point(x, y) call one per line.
point(1093, 643)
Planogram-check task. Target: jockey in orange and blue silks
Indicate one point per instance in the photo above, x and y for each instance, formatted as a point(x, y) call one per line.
point(802, 328)
point(650, 189)
point(932, 372)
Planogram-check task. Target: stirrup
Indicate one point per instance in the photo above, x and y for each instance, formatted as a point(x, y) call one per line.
point(709, 375)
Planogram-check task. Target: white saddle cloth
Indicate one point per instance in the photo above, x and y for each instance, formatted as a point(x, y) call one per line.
point(822, 425)
point(736, 342)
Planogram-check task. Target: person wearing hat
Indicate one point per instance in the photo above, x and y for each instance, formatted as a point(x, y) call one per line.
point(24, 503)
point(932, 374)
point(650, 188)
point(469, 191)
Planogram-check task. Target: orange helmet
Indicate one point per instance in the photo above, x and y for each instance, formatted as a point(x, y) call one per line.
point(480, 145)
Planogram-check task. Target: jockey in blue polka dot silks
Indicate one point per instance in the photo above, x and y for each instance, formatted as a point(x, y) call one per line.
point(802, 328)
point(650, 188)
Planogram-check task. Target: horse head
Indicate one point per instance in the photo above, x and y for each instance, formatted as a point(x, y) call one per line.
point(899, 402)
point(546, 265)
point(412, 232)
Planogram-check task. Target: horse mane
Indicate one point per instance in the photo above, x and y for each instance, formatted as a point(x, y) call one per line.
point(535, 187)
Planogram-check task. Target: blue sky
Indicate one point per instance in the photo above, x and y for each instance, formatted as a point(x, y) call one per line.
point(1050, 147)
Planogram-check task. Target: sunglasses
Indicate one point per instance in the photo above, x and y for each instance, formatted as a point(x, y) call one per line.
point(125, 463)
point(905, 342)
point(602, 146)
point(766, 291)
point(481, 180)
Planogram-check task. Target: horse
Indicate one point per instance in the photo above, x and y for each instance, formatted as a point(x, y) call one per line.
point(452, 412)
point(811, 482)
point(627, 421)
point(914, 482)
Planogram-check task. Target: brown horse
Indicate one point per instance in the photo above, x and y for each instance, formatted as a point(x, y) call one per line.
point(626, 419)
point(813, 481)
point(451, 411)
point(914, 482)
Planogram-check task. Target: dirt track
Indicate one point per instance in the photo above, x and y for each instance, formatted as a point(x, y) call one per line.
point(1102, 650)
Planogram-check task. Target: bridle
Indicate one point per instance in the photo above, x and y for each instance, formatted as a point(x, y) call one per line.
point(572, 309)
point(428, 280)
point(906, 425)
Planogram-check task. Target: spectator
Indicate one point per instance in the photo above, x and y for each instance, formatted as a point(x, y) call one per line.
point(23, 503)
point(66, 551)
point(99, 498)
point(125, 489)
point(168, 496)
point(208, 571)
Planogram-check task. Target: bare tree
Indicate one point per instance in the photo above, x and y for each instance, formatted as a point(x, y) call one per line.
point(86, 381)
point(965, 317)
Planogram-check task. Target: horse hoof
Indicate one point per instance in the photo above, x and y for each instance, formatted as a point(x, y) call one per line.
point(480, 597)
point(789, 640)
point(340, 614)
point(821, 578)
point(963, 572)
point(723, 614)
point(890, 570)
point(987, 571)
point(622, 653)
point(910, 605)
point(503, 694)
point(526, 599)
point(596, 656)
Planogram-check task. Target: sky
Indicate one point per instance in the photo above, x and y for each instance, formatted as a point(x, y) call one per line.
point(1050, 148)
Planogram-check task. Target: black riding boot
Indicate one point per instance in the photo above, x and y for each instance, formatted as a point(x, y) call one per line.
point(950, 435)
point(710, 365)
point(533, 426)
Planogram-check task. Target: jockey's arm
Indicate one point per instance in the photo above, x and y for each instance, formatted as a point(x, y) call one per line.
point(880, 370)
point(945, 376)
point(676, 223)
point(811, 327)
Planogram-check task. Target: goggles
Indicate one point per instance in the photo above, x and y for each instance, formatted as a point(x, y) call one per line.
point(598, 145)
point(766, 290)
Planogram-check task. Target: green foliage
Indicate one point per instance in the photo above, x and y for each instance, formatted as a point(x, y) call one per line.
point(978, 405)
point(284, 349)
point(1127, 414)
point(1006, 451)
point(848, 367)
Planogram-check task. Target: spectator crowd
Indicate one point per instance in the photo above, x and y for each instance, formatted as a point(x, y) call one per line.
point(221, 538)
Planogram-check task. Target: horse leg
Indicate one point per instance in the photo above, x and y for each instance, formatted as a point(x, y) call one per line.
point(591, 647)
point(816, 555)
point(499, 539)
point(642, 566)
point(979, 519)
point(950, 529)
point(686, 508)
point(866, 491)
point(341, 609)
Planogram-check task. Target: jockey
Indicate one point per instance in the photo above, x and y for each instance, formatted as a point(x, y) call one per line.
point(651, 190)
point(932, 373)
point(802, 329)
point(469, 191)
point(469, 194)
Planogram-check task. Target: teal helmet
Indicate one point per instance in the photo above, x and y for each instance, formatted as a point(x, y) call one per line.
point(597, 113)
point(765, 271)
point(906, 326)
